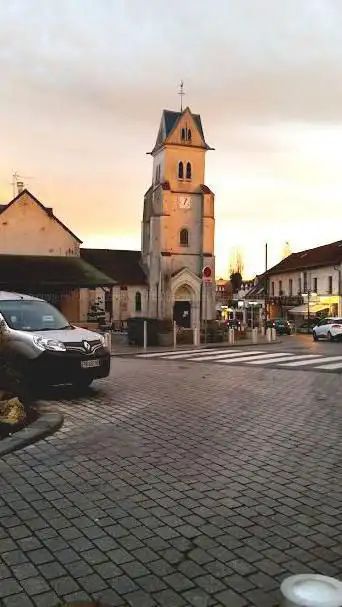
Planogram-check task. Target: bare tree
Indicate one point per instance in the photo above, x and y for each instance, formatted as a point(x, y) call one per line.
point(286, 250)
point(236, 269)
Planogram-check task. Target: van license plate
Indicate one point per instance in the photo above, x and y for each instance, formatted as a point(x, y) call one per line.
point(87, 364)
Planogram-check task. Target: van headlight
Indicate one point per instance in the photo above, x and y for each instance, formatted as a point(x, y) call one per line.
point(43, 343)
point(102, 339)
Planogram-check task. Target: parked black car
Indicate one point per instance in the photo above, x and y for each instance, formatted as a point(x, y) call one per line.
point(281, 326)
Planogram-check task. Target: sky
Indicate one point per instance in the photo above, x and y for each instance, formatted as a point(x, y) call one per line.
point(84, 82)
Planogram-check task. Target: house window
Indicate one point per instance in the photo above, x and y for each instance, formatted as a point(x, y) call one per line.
point(180, 170)
point(315, 285)
point(189, 134)
point(272, 289)
point(138, 301)
point(183, 134)
point(188, 170)
point(299, 286)
point(280, 287)
point(184, 238)
point(305, 281)
point(330, 285)
point(290, 287)
point(158, 173)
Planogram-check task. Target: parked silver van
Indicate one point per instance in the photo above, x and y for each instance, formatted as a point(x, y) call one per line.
point(45, 348)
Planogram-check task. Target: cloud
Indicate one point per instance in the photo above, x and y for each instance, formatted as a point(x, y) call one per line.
point(83, 83)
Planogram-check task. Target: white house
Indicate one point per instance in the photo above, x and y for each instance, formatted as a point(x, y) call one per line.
point(307, 281)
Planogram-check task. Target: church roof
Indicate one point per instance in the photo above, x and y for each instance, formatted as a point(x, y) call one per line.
point(169, 121)
point(124, 267)
point(171, 118)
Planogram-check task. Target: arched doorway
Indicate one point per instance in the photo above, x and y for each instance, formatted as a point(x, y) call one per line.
point(182, 307)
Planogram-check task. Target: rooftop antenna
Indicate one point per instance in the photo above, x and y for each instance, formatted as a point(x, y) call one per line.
point(181, 93)
point(18, 183)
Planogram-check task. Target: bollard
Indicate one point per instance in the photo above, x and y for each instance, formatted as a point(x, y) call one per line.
point(231, 336)
point(108, 341)
point(274, 334)
point(268, 334)
point(255, 335)
point(311, 590)
point(174, 334)
point(145, 334)
point(196, 336)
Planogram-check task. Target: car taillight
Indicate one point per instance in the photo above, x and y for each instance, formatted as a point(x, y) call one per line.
point(336, 326)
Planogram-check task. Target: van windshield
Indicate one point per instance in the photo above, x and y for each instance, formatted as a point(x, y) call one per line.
point(26, 315)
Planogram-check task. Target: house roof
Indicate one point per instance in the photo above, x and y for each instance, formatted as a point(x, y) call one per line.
point(48, 210)
point(32, 272)
point(326, 255)
point(124, 267)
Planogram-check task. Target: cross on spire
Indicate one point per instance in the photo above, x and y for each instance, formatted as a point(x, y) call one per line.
point(181, 93)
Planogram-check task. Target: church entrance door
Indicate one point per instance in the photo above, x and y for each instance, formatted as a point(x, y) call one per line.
point(182, 314)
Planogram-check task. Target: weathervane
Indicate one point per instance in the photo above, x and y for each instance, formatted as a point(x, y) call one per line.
point(181, 93)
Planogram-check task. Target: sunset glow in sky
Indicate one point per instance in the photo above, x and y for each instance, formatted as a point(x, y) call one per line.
point(84, 82)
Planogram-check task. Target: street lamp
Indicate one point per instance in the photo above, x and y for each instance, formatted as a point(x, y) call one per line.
point(309, 294)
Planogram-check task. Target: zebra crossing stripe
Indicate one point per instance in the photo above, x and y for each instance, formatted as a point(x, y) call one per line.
point(331, 367)
point(323, 359)
point(180, 352)
point(219, 357)
point(199, 354)
point(283, 358)
point(263, 357)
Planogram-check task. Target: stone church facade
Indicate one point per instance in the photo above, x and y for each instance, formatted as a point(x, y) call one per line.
point(178, 225)
point(164, 279)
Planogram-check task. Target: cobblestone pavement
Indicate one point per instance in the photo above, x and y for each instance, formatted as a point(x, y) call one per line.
point(177, 485)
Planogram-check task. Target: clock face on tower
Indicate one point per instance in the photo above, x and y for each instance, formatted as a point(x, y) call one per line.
point(184, 202)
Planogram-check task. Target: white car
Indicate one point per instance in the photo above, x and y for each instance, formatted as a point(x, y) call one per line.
point(328, 328)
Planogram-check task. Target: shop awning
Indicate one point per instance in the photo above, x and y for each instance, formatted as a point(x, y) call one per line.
point(32, 272)
point(303, 309)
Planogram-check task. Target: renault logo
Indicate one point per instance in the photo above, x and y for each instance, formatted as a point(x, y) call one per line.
point(86, 346)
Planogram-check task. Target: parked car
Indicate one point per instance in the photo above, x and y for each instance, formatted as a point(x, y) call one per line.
point(233, 323)
point(45, 348)
point(329, 328)
point(281, 326)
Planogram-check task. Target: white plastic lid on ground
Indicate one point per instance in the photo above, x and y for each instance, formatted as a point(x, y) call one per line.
point(311, 590)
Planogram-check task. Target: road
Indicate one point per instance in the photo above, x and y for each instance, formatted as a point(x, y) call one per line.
point(178, 484)
point(294, 352)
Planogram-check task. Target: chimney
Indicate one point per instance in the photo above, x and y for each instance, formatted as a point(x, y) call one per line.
point(20, 186)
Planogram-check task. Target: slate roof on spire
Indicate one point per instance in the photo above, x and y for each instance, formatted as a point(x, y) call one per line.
point(169, 121)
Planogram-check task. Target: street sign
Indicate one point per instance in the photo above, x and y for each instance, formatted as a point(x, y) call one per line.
point(207, 275)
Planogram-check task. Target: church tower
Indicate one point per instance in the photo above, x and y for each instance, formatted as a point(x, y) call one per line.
point(178, 223)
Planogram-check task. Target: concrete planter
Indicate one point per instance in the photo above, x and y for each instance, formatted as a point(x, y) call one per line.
point(165, 339)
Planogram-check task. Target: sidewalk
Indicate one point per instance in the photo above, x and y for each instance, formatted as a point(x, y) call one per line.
point(122, 348)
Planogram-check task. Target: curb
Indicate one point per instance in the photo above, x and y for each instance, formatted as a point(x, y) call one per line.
point(115, 354)
point(48, 422)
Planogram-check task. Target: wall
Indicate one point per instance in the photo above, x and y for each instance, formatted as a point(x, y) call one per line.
point(26, 229)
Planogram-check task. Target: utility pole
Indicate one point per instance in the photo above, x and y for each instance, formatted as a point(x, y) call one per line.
point(266, 285)
point(339, 309)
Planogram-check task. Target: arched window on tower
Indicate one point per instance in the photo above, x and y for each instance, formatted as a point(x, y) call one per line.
point(188, 170)
point(180, 170)
point(189, 134)
point(183, 134)
point(184, 238)
point(138, 301)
